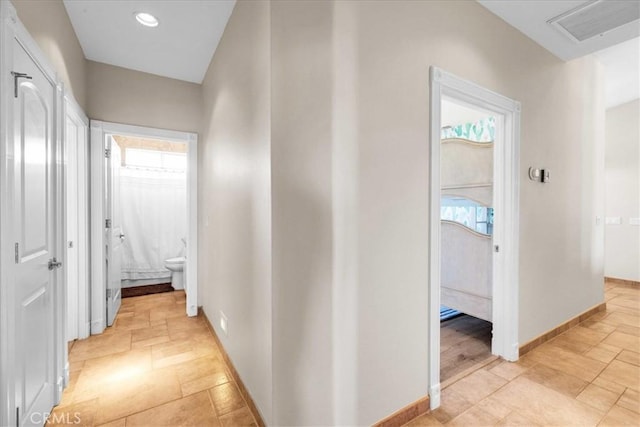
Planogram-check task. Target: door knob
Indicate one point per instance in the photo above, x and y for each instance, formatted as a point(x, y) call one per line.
point(54, 263)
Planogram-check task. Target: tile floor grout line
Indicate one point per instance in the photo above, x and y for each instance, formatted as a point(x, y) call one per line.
point(146, 409)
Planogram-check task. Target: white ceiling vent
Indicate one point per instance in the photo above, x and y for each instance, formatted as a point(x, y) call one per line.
point(596, 17)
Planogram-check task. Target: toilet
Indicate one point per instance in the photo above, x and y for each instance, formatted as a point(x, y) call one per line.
point(176, 266)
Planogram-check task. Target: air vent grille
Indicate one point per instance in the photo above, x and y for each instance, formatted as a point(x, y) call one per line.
point(596, 17)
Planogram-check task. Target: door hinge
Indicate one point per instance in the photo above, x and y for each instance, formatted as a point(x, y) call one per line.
point(109, 293)
point(497, 248)
point(17, 76)
point(107, 223)
point(17, 252)
point(107, 153)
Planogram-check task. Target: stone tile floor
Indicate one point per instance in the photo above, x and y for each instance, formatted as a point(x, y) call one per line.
point(157, 367)
point(154, 367)
point(587, 376)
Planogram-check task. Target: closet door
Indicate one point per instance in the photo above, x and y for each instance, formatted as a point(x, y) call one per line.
point(34, 231)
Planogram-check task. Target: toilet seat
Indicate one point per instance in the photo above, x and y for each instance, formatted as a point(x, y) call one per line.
point(175, 261)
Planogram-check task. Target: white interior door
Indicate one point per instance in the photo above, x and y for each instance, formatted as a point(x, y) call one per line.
point(72, 260)
point(77, 227)
point(34, 220)
point(114, 233)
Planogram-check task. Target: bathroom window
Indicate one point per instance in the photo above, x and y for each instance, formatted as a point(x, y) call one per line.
point(152, 159)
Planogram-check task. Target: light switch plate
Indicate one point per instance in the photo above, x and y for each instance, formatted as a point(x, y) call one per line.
point(534, 174)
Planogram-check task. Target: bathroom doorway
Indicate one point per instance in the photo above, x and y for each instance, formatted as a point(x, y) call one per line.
point(144, 187)
point(152, 193)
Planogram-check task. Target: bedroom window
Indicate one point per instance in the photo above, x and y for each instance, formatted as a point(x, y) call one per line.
point(468, 213)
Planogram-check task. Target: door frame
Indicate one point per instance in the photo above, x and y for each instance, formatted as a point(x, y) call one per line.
point(112, 199)
point(99, 131)
point(73, 111)
point(506, 189)
point(11, 28)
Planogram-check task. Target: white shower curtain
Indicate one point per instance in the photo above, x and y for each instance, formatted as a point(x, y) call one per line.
point(154, 221)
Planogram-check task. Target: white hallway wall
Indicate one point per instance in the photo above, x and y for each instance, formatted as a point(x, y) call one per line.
point(106, 92)
point(562, 129)
point(235, 198)
point(622, 183)
point(343, 126)
point(342, 220)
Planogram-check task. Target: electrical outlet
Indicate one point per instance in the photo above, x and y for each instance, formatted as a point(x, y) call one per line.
point(613, 220)
point(223, 323)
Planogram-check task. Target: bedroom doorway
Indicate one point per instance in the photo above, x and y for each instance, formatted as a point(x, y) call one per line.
point(466, 231)
point(473, 256)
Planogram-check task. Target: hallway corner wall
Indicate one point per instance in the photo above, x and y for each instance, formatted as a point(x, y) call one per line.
point(302, 212)
point(106, 92)
point(49, 25)
point(235, 198)
point(132, 97)
point(560, 258)
point(315, 166)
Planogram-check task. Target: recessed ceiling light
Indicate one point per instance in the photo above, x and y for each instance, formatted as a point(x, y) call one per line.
point(146, 19)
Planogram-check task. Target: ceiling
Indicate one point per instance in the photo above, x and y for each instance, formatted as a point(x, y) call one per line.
point(180, 47)
point(618, 50)
point(530, 17)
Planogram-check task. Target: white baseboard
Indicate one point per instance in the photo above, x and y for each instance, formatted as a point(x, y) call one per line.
point(434, 397)
point(97, 327)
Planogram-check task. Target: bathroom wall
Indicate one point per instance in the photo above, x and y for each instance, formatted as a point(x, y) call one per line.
point(622, 186)
point(49, 25)
point(120, 95)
